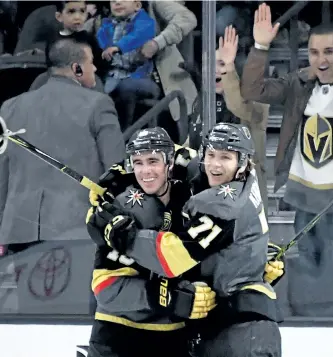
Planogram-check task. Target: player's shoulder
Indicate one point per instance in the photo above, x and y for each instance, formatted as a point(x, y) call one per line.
point(133, 196)
point(226, 201)
point(221, 201)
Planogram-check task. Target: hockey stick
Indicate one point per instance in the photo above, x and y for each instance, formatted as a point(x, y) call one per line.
point(6, 135)
point(304, 231)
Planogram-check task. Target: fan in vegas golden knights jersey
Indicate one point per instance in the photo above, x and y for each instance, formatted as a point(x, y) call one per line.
point(310, 180)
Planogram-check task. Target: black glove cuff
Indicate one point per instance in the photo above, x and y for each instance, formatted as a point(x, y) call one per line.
point(168, 296)
point(183, 303)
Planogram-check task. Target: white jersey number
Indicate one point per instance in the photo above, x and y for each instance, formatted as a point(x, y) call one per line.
point(207, 225)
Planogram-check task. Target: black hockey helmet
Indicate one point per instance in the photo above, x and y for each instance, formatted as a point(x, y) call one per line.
point(227, 136)
point(150, 139)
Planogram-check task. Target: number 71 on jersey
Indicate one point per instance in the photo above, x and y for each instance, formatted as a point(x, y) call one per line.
point(206, 226)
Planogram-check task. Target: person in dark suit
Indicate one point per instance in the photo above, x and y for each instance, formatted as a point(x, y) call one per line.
point(70, 122)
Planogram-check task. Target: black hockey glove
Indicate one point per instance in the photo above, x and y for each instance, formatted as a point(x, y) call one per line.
point(112, 226)
point(181, 298)
point(115, 180)
point(183, 157)
point(274, 269)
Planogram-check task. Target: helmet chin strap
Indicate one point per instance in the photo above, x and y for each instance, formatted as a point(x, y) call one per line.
point(167, 182)
point(166, 190)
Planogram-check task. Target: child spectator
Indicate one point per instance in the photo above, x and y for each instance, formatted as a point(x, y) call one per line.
point(121, 37)
point(70, 17)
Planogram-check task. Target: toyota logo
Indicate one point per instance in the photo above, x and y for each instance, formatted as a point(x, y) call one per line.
point(51, 274)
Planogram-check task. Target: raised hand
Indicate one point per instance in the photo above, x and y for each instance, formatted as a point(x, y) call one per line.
point(263, 30)
point(228, 46)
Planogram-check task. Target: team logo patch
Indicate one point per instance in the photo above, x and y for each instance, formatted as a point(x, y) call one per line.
point(227, 191)
point(316, 141)
point(135, 197)
point(166, 222)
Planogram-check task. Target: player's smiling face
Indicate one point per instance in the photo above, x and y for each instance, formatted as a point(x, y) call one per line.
point(220, 166)
point(150, 172)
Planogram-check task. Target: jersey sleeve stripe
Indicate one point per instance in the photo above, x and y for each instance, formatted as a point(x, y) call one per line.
point(173, 256)
point(160, 256)
point(104, 284)
point(102, 278)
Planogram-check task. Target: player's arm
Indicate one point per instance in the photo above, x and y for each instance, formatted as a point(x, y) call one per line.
point(168, 254)
point(124, 289)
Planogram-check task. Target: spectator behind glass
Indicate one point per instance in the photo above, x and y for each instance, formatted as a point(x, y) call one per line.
point(174, 22)
point(231, 104)
point(72, 16)
point(304, 158)
point(121, 37)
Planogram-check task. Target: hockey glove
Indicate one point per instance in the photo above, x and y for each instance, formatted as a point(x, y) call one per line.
point(274, 269)
point(116, 179)
point(184, 155)
point(181, 298)
point(95, 199)
point(106, 220)
point(120, 230)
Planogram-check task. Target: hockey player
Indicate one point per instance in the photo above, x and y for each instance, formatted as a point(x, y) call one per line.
point(226, 213)
point(134, 315)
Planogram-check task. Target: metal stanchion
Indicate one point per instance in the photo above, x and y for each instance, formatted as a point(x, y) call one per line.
point(208, 64)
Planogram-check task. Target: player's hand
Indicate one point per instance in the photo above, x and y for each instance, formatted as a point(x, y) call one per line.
point(263, 30)
point(119, 232)
point(184, 155)
point(119, 226)
point(181, 297)
point(95, 199)
point(274, 269)
point(204, 301)
point(107, 225)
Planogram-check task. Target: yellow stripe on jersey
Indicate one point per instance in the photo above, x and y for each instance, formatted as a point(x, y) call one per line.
point(100, 275)
point(138, 325)
point(261, 289)
point(322, 186)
